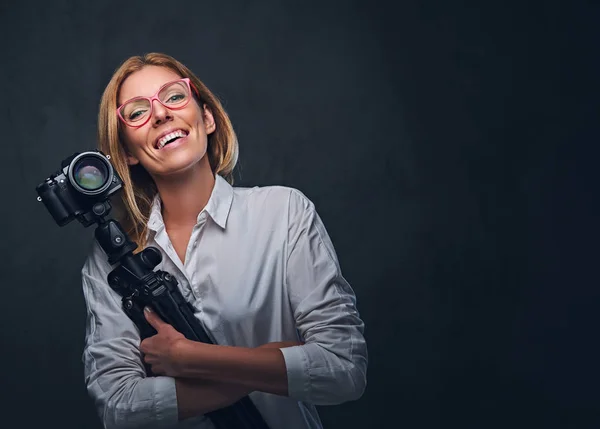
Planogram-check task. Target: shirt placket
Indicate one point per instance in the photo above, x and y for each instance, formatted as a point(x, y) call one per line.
point(162, 240)
point(191, 255)
point(190, 265)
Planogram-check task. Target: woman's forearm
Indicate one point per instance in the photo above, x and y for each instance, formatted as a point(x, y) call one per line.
point(196, 397)
point(248, 369)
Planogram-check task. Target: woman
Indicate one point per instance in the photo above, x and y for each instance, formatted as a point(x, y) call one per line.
point(255, 263)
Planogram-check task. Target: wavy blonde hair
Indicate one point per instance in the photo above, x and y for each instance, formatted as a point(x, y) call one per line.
point(139, 190)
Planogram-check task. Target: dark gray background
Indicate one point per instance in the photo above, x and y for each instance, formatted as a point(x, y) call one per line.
point(450, 148)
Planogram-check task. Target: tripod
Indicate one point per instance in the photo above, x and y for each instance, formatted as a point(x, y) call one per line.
point(140, 286)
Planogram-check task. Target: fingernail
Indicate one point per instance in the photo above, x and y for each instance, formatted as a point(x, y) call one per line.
point(147, 309)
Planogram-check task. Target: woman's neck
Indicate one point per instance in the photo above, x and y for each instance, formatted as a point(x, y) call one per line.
point(184, 195)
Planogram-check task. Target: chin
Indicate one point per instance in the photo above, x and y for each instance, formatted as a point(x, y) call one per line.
point(184, 162)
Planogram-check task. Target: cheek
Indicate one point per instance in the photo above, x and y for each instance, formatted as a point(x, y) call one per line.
point(133, 138)
point(194, 116)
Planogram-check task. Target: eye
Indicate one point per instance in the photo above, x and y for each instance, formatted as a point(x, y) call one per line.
point(136, 114)
point(175, 98)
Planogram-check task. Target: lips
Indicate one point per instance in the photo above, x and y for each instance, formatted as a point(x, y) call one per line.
point(169, 136)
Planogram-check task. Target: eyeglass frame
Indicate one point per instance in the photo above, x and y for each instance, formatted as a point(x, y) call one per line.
point(190, 86)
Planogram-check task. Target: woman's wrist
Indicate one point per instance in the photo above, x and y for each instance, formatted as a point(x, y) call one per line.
point(179, 355)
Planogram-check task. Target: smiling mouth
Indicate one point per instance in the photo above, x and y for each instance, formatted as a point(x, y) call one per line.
point(170, 138)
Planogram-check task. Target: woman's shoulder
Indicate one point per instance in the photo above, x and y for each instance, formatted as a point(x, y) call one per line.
point(278, 197)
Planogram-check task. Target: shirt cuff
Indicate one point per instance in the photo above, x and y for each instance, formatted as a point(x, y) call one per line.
point(297, 368)
point(165, 400)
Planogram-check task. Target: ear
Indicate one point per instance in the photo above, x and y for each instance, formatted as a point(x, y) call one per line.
point(209, 120)
point(132, 160)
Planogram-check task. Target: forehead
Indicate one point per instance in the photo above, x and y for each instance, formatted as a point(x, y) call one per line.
point(145, 82)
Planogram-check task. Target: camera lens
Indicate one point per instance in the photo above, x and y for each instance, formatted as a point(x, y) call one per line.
point(90, 173)
point(90, 177)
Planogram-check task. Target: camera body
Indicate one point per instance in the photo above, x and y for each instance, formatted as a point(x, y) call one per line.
point(84, 181)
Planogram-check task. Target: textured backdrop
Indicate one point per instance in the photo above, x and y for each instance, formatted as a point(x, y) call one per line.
point(450, 148)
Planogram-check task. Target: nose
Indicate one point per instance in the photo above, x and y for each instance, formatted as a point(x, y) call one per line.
point(160, 114)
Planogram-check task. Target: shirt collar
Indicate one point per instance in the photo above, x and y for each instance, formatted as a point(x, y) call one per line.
point(219, 203)
point(217, 207)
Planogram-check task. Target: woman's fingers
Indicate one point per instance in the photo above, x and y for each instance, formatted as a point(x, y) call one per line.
point(153, 319)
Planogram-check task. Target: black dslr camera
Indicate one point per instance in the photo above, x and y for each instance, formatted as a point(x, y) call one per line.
point(84, 181)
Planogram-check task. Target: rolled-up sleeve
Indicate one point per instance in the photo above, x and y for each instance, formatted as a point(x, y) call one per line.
point(114, 373)
point(330, 368)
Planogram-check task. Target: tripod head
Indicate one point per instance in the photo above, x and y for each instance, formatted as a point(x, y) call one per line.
point(109, 234)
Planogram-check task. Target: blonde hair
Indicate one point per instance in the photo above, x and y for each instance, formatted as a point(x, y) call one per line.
point(139, 190)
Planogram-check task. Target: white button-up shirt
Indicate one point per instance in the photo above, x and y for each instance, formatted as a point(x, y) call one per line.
point(259, 268)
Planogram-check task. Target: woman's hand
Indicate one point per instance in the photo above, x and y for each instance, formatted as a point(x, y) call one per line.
point(161, 351)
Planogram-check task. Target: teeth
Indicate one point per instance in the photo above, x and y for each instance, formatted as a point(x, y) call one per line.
point(164, 139)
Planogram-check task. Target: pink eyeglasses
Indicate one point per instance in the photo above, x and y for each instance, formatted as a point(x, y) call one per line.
point(172, 95)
